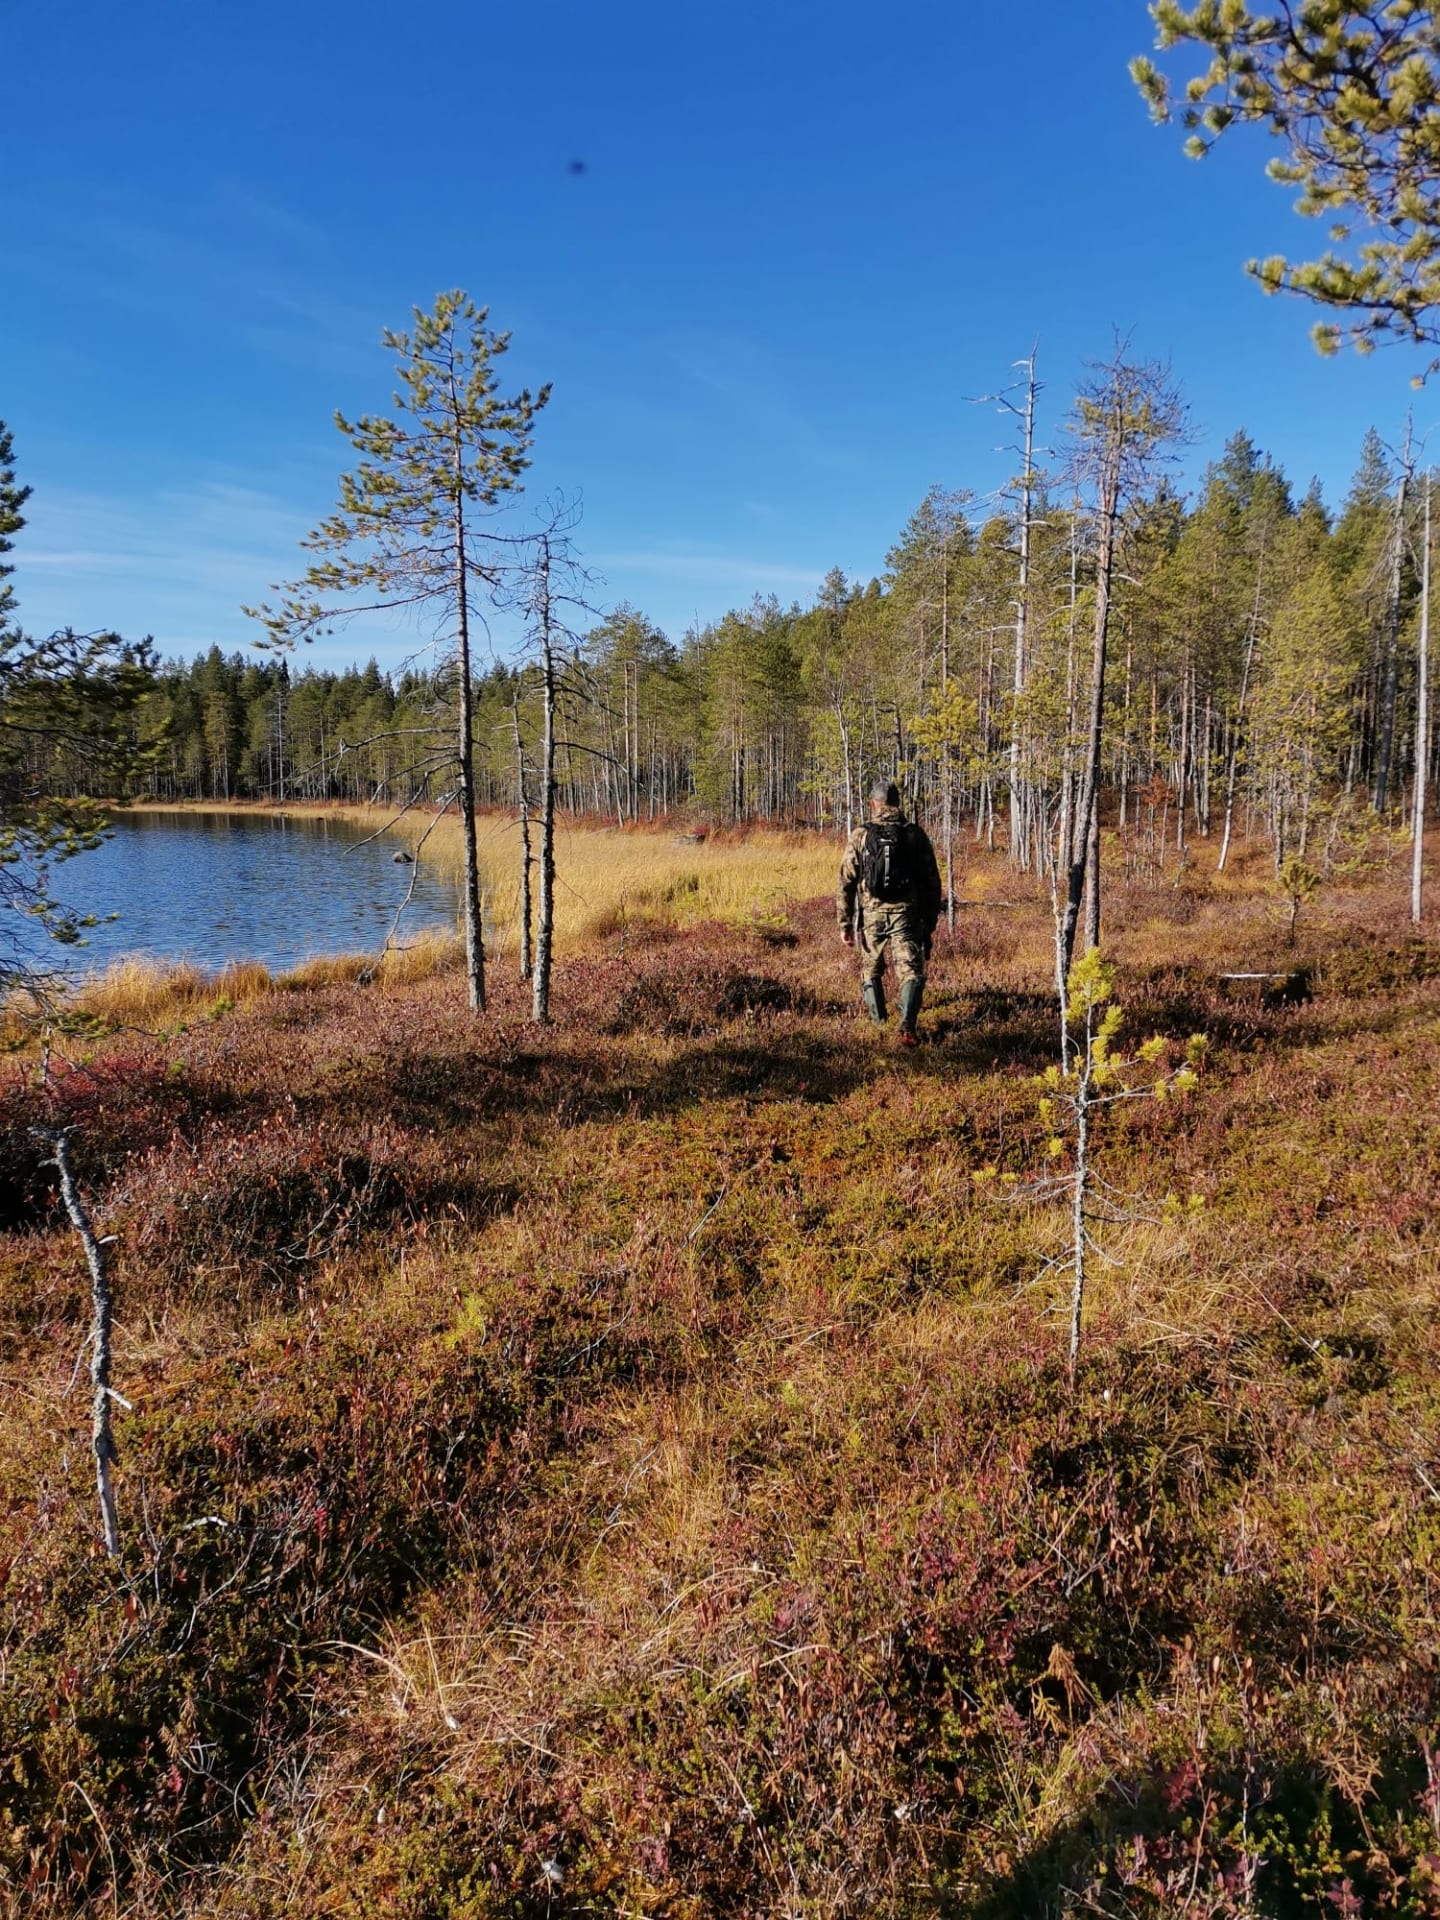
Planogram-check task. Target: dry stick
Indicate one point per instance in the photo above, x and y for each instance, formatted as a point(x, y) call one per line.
point(393, 934)
point(525, 926)
point(102, 1308)
point(1233, 769)
point(1081, 1179)
point(1422, 725)
point(545, 924)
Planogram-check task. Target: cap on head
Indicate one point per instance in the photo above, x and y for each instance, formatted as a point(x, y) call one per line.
point(885, 793)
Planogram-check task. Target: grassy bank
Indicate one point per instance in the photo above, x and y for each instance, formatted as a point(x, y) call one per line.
point(606, 878)
point(630, 1469)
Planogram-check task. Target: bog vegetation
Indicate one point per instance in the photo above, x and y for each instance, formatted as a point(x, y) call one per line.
point(630, 1466)
point(657, 1450)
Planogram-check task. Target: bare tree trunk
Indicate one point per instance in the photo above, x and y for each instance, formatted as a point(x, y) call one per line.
point(1422, 723)
point(849, 774)
point(1237, 733)
point(1182, 772)
point(947, 770)
point(102, 1315)
point(1022, 615)
point(1123, 772)
point(1077, 1211)
point(1385, 744)
point(545, 929)
point(1079, 855)
point(524, 798)
point(474, 927)
point(1092, 878)
point(1203, 768)
point(1065, 823)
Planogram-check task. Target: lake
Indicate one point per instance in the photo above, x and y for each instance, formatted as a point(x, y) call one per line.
point(214, 887)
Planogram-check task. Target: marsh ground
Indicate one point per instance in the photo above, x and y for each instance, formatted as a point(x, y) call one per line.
point(629, 1468)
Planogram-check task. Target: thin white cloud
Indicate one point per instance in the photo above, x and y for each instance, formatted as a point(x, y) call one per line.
point(178, 564)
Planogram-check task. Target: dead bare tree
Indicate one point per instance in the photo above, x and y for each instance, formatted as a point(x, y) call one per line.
point(556, 581)
point(522, 787)
point(1125, 418)
point(1422, 723)
point(101, 1318)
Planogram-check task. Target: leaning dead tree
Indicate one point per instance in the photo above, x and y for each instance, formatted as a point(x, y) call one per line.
point(102, 1314)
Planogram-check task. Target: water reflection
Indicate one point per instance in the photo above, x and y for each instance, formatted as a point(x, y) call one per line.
point(214, 887)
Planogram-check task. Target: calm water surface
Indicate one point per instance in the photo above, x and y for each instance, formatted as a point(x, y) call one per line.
point(213, 887)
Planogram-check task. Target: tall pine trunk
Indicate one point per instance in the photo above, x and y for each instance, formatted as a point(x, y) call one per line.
point(1422, 723)
point(545, 923)
point(474, 930)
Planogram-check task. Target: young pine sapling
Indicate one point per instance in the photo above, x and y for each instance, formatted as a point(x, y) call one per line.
point(1094, 1075)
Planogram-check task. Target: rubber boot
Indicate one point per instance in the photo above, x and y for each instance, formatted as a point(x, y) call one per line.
point(911, 994)
point(873, 994)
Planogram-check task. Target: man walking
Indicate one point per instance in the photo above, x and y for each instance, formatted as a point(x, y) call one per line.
point(890, 867)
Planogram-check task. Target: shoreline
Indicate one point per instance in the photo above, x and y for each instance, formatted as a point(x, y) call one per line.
point(612, 883)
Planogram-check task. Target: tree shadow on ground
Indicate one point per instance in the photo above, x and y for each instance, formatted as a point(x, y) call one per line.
point(992, 1029)
point(1133, 1848)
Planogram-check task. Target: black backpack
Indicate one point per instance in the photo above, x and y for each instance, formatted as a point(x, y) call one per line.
point(887, 864)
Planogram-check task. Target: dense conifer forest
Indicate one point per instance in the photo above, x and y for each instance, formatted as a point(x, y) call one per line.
point(1261, 664)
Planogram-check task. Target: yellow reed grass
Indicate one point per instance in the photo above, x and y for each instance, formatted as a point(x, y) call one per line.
point(150, 994)
point(324, 970)
point(434, 950)
point(137, 992)
point(607, 878)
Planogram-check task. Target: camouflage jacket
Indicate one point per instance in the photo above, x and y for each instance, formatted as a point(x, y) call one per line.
point(927, 897)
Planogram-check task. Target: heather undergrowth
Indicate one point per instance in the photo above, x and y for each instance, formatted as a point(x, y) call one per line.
point(630, 1468)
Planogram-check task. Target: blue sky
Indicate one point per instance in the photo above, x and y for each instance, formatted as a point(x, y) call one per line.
point(806, 237)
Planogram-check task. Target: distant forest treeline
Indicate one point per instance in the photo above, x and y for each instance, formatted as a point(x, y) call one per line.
point(1261, 665)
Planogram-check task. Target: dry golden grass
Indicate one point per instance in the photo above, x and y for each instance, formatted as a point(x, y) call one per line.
point(435, 950)
point(136, 992)
point(325, 970)
point(673, 1451)
point(148, 995)
point(607, 879)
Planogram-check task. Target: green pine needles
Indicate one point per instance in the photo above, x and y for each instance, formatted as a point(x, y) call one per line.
point(1353, 93)
point(415, 525)
point(1096, 1074)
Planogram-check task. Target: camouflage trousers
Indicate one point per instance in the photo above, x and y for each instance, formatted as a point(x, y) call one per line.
point(900, 930)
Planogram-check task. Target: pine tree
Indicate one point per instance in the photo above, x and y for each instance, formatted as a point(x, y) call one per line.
point(70, 732)
point(12, 498)
point(1353, 93)
point(410, 523)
